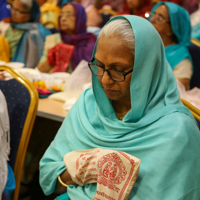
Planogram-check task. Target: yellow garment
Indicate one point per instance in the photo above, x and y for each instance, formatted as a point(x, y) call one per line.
point(4, 50)
point(49, 15)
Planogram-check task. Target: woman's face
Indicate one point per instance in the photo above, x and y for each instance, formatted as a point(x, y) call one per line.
point(112, 53)
point(20, 14)
point(68, 19)
point(133, 4)
point(160, 20)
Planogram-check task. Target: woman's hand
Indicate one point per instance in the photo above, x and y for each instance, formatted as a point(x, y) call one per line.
point(44, 66)
point(66, 178)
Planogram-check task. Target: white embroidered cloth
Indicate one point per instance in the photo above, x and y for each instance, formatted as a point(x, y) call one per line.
point(115, 172)
point(4, 142)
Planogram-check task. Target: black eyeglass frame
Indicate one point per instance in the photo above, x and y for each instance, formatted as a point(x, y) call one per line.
point(108, 71)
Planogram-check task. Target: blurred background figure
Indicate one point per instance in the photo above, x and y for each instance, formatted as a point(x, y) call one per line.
point(49, 14)
point(173, 24)
point(5, 11)
point(191, 5)
point(140, 8)
point(63, 51)
point(116, 5)
point(93, 16)
point(26, 36)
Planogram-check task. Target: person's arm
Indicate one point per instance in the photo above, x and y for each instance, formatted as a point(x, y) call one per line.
point(66, 178)
point(185, 82)
point(183, 72)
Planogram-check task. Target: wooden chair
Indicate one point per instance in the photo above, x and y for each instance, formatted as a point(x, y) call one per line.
point(195, 111)
point(22, 102)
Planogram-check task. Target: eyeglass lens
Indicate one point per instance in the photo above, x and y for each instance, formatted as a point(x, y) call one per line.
point(99, 71)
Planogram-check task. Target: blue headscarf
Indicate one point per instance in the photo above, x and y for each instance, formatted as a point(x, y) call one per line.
point(37, 36)
point(180, 24)
point(4, 10)
point(157, 129)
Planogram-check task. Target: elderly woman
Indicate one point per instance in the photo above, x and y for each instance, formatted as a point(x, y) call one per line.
point(63, 51)
point(25, 36)
point(173, 24)
point(132, 107)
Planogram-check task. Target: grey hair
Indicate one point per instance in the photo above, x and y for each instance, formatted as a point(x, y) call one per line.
point(121, 28)
point(27, 4)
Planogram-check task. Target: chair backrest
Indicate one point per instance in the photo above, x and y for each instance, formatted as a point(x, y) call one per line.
point(22, 102)
point(194, 50)
point(195, 111)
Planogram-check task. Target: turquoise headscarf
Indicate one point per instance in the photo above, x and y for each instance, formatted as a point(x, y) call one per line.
point(158, 129)
point(180, 24)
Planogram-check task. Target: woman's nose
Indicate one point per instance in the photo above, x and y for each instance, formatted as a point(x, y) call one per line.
point(106, 79)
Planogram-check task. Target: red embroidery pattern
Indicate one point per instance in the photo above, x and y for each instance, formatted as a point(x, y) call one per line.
point(111, 171)
point(81, 169)
point(130, 174)
point(104, 195)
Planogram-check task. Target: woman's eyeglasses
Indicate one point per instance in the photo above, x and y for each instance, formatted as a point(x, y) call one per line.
point(67, 15)
point(19, 11)
point(113, 73)
point(158, 18)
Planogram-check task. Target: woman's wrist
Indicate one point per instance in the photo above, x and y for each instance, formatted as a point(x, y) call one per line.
point(66, 178)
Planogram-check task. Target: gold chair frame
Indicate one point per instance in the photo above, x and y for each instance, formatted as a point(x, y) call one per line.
point(28, 126)
point(195, 111)
point(195, 41)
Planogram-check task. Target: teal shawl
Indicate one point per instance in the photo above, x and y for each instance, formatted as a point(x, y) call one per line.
point(180, 24)
point(158, 129)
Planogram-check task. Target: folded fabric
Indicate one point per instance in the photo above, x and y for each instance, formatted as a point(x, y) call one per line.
point(115, 172)
point(60, 56)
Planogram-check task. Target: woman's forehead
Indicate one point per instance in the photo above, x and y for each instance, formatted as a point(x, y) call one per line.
point(68, 8)
point(162, 10)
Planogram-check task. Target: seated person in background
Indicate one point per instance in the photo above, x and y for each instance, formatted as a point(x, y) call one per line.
point(93, 16)
point(63, 51)
point(191, 5)
point(116, 5)
point(173, 24)
point(25, 36)
point(133, 107)
point(49, 15)
point(140, 8)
